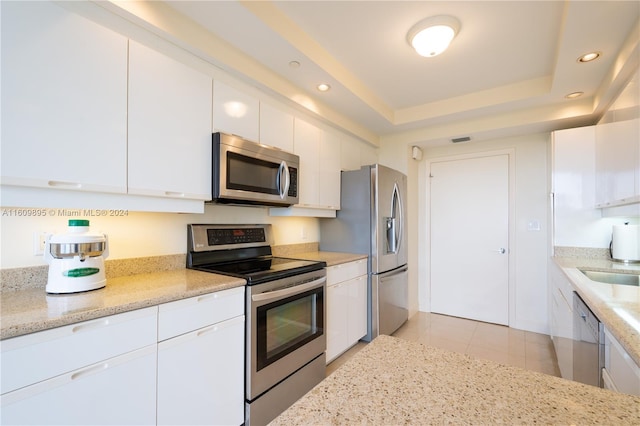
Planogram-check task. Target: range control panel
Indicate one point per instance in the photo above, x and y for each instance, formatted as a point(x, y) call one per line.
point(222, 237)
point(216, 237)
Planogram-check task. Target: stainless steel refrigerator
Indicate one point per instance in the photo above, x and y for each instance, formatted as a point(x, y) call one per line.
point(372, 220)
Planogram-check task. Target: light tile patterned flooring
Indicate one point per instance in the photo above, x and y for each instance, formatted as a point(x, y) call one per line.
point(532, 351)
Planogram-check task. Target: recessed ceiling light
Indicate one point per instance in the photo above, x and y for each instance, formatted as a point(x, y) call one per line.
point(294, 64)
point(574, 95)
point(588, 57)
point(323, 87)
point(432, 36)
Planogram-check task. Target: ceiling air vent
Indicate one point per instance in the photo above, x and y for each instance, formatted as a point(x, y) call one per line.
point(462, 139)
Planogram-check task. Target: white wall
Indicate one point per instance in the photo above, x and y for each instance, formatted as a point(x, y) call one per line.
point(142, 234)
point(530, 250)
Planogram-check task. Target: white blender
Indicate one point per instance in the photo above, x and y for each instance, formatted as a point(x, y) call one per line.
point(76, 259)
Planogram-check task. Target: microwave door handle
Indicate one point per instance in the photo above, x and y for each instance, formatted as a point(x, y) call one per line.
point(284, 172)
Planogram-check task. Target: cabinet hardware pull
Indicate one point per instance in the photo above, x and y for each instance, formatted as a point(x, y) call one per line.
point(90, 326)
point(207, 297)
point(90, 370)
point(207, 330)
point(60, 184)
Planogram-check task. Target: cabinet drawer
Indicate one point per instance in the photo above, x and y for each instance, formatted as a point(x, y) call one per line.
point(346, 271)
point(183, 316)
point(621, 369)
point(118, 391)
point(35, 357)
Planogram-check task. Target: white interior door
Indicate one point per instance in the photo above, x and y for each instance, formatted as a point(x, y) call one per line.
point(469, 238)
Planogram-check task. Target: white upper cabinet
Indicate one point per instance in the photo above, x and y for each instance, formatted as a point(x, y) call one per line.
point(350, 154)
point(64, 100)
point(307, 146)
point(355, 154)
point(319, 180)
point(618, 163)
point(235, 112)
point(276, 127)
point(170, 107)
point(329, 171)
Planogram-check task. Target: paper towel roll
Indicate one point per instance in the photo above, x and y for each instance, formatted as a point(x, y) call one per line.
point(625, 243)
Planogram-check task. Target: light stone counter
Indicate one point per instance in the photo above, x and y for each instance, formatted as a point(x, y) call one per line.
point(617, 306)
point(331, 258)
point(26, 308)
point(393, 381)
point(31, 310)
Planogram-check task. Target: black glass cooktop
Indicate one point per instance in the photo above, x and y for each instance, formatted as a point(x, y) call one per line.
point(262, 269)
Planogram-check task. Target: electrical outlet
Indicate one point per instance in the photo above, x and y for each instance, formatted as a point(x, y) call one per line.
point(39, 240)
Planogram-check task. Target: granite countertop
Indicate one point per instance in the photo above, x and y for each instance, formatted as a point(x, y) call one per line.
point(331, 258)
point(31, 310)
point(617, 306)
point(394, 381)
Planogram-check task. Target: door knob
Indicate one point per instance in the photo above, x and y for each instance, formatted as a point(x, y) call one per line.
point(501, 250)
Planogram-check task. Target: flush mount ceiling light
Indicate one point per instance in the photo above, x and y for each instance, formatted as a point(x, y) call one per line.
point(574, 95)
point(588, 57)
point(323, 87)
point(432, 36)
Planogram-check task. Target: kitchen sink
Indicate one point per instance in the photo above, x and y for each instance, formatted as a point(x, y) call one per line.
point(612, 277)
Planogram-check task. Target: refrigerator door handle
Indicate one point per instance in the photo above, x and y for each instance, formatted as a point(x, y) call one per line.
point(394, 223)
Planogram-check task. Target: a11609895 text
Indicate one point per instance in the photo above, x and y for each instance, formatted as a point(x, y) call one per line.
point(44, 212)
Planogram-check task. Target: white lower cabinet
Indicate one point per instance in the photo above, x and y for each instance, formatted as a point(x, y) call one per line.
point(561, 319)
point(346, 306)
point(178, 363)
point(98, 371)
point(200, 376)
point(117, 391)
point(620, 373)
point(201, 362)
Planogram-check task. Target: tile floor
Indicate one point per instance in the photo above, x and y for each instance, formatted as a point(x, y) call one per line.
point(532, 351)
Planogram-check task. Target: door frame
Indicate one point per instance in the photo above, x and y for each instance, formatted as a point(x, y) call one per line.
point(424, 275)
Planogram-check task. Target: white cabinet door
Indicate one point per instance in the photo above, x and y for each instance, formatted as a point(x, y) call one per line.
point(201, 376)
point(618, 163)
point(117, 391)
point(64, 100)
point(350, 154)
point(170, 107)
point(29, 359)
point(329, 171)
point(561, 319)
point(622, 372)
point(357, 308)
point(346, 306)
point(235, 112)
point(186, 315)
point(276, 127)
point(307, 146)
point(337, 320)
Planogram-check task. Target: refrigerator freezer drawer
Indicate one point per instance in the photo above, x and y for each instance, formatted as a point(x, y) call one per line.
point(391, 289)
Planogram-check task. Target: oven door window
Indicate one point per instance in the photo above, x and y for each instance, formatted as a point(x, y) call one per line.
point(251, 174)
point(288, 324)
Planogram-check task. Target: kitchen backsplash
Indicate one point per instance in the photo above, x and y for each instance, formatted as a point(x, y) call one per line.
point(13, 279)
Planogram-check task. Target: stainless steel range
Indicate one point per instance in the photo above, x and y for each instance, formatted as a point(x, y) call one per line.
point(285, 313)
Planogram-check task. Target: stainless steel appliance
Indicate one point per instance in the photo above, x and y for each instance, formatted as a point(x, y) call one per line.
point(588, 344)
point(285, 313)
point(245, 172)
point(372, 221)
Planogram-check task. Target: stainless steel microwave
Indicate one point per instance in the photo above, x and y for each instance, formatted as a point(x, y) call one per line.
point(245, 172)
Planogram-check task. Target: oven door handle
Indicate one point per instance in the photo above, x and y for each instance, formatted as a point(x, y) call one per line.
point(289, 291)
